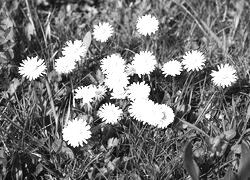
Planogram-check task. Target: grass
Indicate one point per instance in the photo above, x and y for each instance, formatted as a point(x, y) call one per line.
point(215, 120)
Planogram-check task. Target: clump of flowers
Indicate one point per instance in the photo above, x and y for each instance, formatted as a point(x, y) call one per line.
point(76, 132)
point(32, 68)
point(72, 52)
point(225, 76)
point(102, 31)
point(147, 25)
point(193, 60)
point(146, 111)
point(172, 68)
point(110, 113)
point(144, 63)
point(116, 79)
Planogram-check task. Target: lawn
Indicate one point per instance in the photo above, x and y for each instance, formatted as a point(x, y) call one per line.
point(124, 89)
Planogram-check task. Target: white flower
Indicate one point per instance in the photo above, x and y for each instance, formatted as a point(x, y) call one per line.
point(64, 65)
point(116, 81)
point(193, 60)
point(74, 50)
point(113, 64)
point(76, 132)
point(167, 116)
point(147, 25)
point(138, 91)
point(225, 76)
point(144, 62)
point(143, 110)
point(32, 68)
point(102, 31)
point(172, 68)
point(86, 94)
point(118, 93)
point(110, 113)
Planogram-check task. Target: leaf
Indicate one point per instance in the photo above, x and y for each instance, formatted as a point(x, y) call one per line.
point(230, 175)
point(230, 134)
point(86, 43)
point(189, 163)
point(243, 171)
point(112, 142)
point(57, 145)
point(39, 169)
point(112, 165)
point(236, 149)
point(135, 176)
point(99, 76)
point(48, 31)
point(13, 86)
point(68, 152)
point(13, 6)
point(29, 30)
point(87, 40)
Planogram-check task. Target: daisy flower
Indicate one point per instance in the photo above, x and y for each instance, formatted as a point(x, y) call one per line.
point(102, 31)
point(144, 63)
point(76, 132)
point(136, 109)
point(167, 116)
point(86, 94)
point(147, 25)
point(193, 60)
point(32, 68)
point(143, 110)
point(110, 113)
point(64, 65)
point(74, 50)
point(172, 68)
point(138, 91)
point(112, 64)
point(118, 93)
point(225, 76)
point(116, 81)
